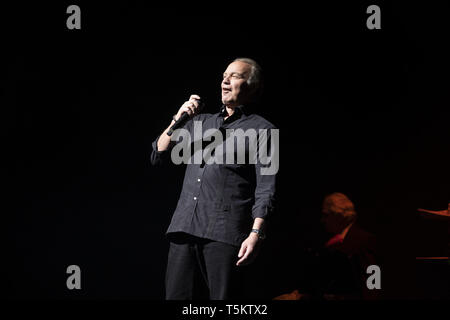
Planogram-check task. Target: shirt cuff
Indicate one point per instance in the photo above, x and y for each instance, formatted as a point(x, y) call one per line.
point(263, 211)
point(158, 157)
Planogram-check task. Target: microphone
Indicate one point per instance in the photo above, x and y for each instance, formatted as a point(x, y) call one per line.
point(184, 118)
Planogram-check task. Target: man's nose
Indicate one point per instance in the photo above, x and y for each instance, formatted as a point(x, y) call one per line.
point(226, 80)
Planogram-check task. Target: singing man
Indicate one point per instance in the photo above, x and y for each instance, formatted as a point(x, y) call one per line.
point(220, 219)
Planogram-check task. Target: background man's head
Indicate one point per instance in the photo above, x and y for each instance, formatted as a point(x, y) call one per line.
point(242, 82)
point(337, 212)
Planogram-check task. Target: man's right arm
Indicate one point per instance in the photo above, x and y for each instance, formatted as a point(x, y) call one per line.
point(164, 139)
point(162, 143)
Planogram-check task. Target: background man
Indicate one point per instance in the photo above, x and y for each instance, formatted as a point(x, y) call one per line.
point(335, 264)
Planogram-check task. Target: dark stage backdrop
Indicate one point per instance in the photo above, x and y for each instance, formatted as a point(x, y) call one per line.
point(364, 112)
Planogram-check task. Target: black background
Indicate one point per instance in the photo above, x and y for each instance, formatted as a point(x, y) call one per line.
point(364, 112)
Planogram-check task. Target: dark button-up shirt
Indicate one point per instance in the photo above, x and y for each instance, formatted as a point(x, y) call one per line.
point(220, 201)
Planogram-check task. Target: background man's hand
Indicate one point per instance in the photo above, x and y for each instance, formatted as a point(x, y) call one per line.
point(249, 250)
point(294, 295)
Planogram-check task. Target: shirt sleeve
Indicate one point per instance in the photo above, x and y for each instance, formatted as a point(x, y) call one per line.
point(266, 173)
point(158, 158)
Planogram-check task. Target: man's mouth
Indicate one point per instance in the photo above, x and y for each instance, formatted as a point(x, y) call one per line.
point(226, 90)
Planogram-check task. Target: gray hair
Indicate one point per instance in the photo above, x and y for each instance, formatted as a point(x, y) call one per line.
point(255, 79)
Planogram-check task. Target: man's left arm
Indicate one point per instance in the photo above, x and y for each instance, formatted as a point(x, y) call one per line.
point(264, 199)
point(250, 246)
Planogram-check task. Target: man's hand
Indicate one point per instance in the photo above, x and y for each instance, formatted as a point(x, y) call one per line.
point(294, 295)
point(249, 249)
point(191, 107)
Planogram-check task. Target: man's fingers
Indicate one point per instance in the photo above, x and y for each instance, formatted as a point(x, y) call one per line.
point(186, 109)
point(195, 100)
point(241, 251)
point(196, 103)
point(243, 261)
point(192, 105)
point(189, 108)
point(188, 104)
point(244, 258)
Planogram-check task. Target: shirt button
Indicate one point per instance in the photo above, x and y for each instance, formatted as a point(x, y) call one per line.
point(198, 180)
point(195, 198)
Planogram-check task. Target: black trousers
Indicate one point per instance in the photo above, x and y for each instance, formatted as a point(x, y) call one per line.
point(202, 269)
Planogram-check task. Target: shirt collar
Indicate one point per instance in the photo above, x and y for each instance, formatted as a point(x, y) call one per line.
point(239, 110)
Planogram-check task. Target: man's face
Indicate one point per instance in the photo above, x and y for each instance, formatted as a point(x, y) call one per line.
point(334, 222)
point(235, 90)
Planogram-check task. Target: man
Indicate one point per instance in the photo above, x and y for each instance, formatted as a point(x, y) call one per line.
point(219, 221)
point(336, 264)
